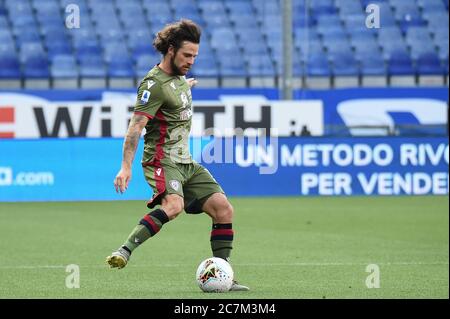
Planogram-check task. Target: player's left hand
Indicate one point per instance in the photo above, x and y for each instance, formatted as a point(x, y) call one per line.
point(192, 82)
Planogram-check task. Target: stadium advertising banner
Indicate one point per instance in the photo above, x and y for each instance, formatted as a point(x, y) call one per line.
point(106, 114)
point(340, 112)
point(370, 111)
point(84, 169)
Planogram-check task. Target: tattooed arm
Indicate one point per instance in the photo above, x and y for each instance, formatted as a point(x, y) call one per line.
point(137, 124)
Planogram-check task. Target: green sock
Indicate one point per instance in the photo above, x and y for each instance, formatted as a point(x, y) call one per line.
point(148, 226)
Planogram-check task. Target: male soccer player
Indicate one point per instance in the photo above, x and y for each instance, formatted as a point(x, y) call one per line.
point(164, 108)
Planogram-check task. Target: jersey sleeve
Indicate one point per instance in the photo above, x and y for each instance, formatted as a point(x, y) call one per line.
point(149, 99)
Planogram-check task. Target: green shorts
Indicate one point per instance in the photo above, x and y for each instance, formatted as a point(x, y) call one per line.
point(191, 181)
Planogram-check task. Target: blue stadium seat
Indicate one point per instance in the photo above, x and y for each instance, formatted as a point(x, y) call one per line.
point(88, 48)
point(334, 33)
point(305, 35)
point(190, 15)
point(130, 7)
point(31, 49)
point(53, 30)
point(222, 37)
point(365, 3)
point(58, 48)
point(400, 63)
point(144, 48)
point(256, 48)
point(392, 33)
point(271, 22)
point(365, 47)
point(260, 65)
point(82, 36)
point(158, 22)
point(48, 9)
point(430, 3)
point(205, 66)
point(317, 65)
point(64, 66)
point(338, 45)
point(82, 4)
point(115, 50)
point(355, 21)
point(19, 10)
point(212, 8)
point(344, 64)
point(232, 66)
point(111, 35)
point(303, 20)
point(443, 49)
point(394, 48)
point(242, 21)
point(6, 36)
point(320, 7)
point(311, 48)
point(348, 7)
point(429, 64)
point(386, 15)
point(139, 37)
point(373, 64)
point(4, 24)
point(186, 8)
point(264, 8)
point(145, 63)
point(120, 67)
point(180, 3)
point(433, 9)
point(157, 9)
point(36, 67)
point(91, 66)
point(238, 7)
point(216, 21)
point(9, 67)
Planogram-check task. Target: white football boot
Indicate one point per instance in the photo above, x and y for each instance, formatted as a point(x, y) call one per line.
point(119, 258)
point(237, 287)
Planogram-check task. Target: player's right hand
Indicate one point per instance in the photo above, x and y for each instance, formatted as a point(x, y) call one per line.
point(192, 82)
point(122, 179)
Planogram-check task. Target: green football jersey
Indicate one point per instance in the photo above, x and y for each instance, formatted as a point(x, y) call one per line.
point(167, 102)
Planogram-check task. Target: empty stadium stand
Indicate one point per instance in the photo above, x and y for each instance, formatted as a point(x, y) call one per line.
point(41, 45)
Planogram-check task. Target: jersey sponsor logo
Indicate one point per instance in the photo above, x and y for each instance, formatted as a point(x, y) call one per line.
point(172, 85)
point(158, 171)
point(186, 114)
point(184, 99)
point(150, 83)
point(174, 184)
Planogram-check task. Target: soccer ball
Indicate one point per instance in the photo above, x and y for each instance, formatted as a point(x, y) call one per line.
point(214, 275)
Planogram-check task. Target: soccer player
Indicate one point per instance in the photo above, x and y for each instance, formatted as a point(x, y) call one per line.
point(164, 109)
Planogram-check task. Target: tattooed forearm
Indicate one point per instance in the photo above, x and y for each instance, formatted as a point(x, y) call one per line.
point(131, 142)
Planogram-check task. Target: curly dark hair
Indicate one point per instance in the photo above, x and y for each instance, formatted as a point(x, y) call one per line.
point(175, 33)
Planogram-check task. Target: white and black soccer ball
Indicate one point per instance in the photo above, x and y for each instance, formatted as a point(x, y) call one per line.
point(214, 275)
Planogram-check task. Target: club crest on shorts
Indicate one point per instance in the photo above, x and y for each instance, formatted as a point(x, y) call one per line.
point(174, 184)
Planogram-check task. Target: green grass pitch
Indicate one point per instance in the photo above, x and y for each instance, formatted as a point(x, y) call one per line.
point(316, 247)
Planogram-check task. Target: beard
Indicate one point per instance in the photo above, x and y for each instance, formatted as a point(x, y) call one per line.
point(175, 69)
